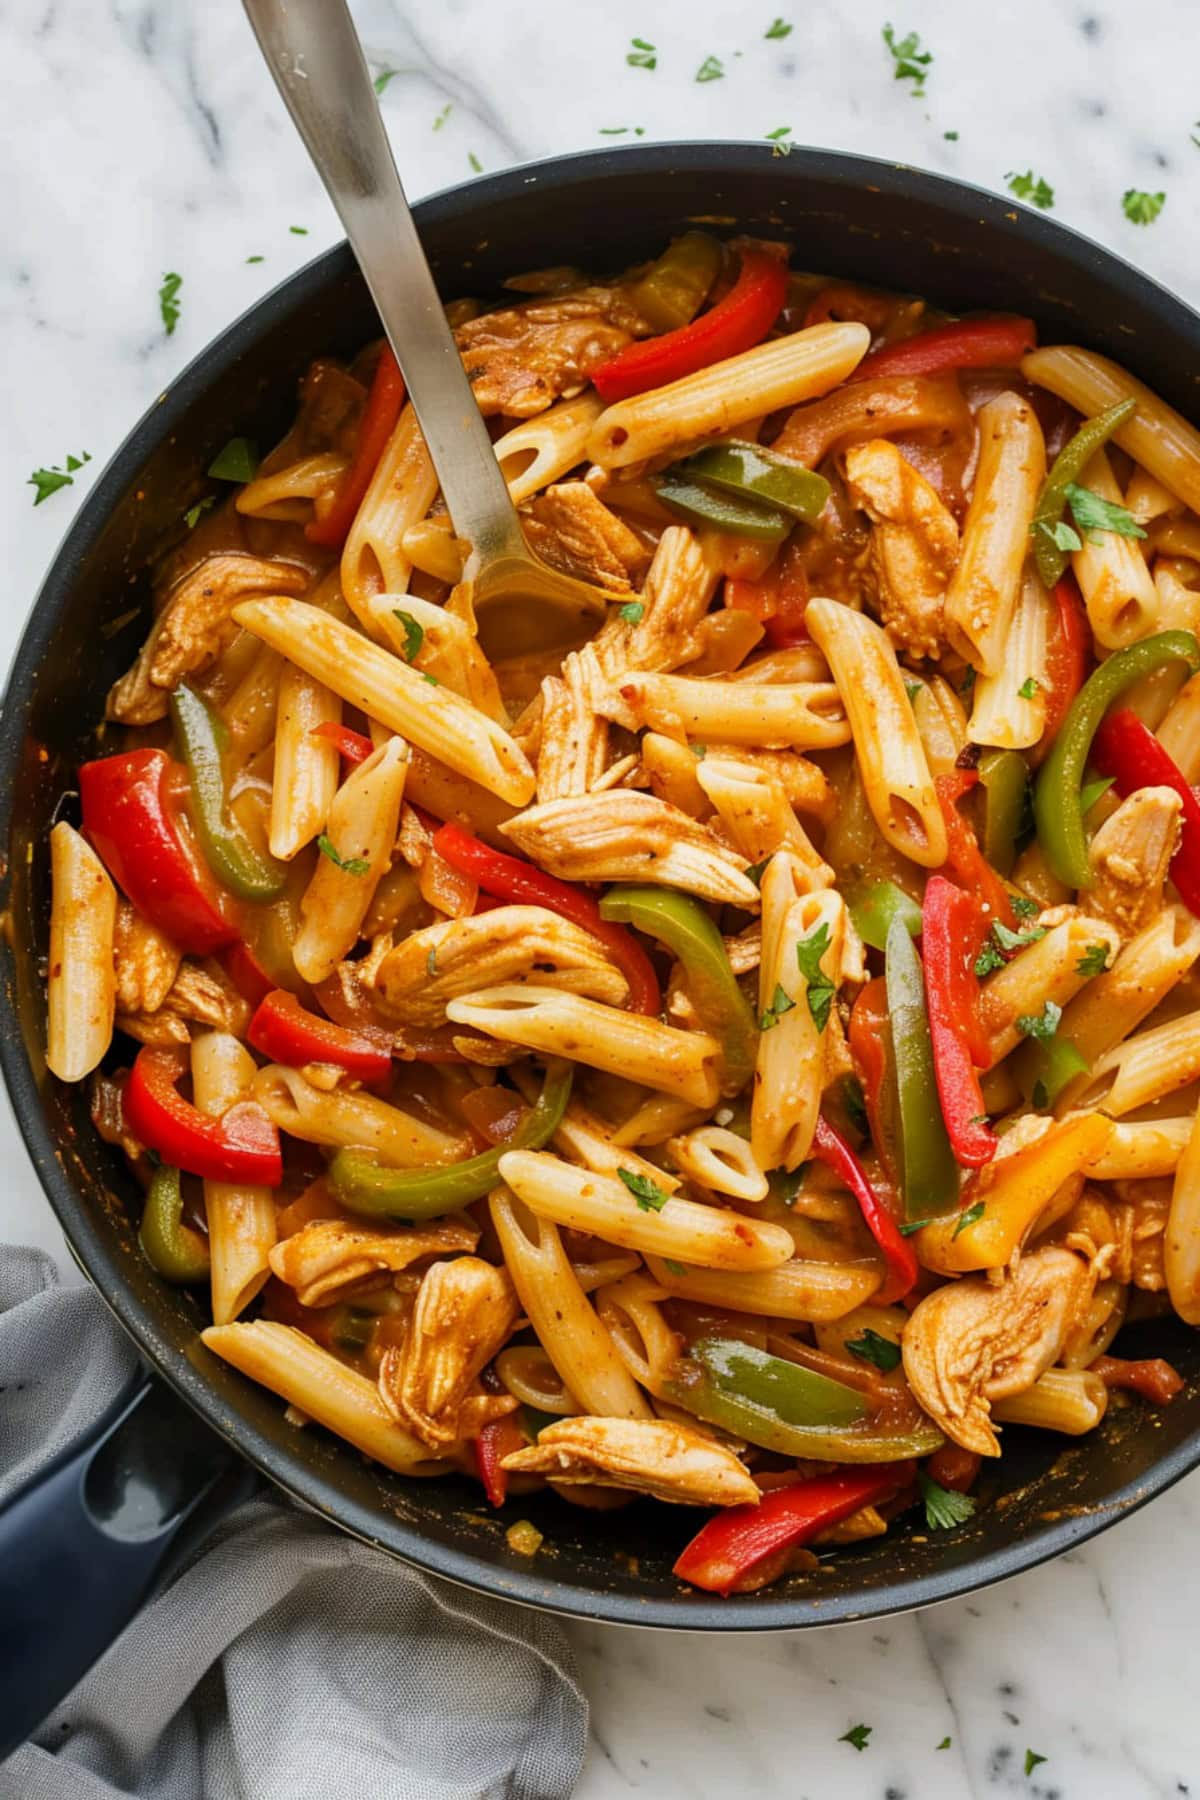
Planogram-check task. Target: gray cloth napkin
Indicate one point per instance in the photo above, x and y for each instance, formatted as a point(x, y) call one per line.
point(283, 1658)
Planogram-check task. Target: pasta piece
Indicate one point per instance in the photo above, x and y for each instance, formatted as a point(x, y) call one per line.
point(240, 1215)
point(1045, 971)
point(779, 373)
point(330, 1260)
point(352, 1118)
point(914, 544)
point(249, 714)
point(357, 851)
point(1130, 858)
point(719, 1160)
point(431, 546)
point(880, 407)
point(1141, 1150)
point(799, 1289)
point(582, 1138)
point(81, 986)
point(708, 1235)
point(657, 1118)
point(1115, 1003)
point(561, 1314)
point(527, 1371)
point(543, 449)
point(447, 649)
point(287, 493)
point(651, 1456)
point(632, 1315)
point(682, 1063)
point(1179, 733)
point(888, 748)
point(672, 771)
point(1121, 599)
point(1068, 1400)
point(1181, 1243)
point(318, 1385)
point(1145, 1068)
point(1009, 708)
point(402, 491)
point(789, 1073)
point(942, 723)
point(800, 664)
point(755, 811)
point(306, 767)
point(982, 595)
point(379, 684)
point(1155, 435)
point(808, 716)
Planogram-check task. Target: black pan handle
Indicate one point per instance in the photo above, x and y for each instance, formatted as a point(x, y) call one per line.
point(82, 1542)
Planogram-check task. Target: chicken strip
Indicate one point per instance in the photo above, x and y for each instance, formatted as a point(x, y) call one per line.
point(1130, 857)
point(570, 528)
point(914, 545)
point(651, 1456)
point(335, 1259)
point(465, 1312)
point(522, 358)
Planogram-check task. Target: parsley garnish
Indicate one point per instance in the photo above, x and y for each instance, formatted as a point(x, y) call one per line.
point(431, 962)
point(711, 69)
point(414, 634)
point(1023, 906)
point(989, 958)
point(1041, 1026)
point(649, 1197)
point(915, 1225)
point(1028, 687)
point(48, 481)
point(951, 138)
point(757, 870)
point(632, 612)
point(1094, 960)
point(238, 461)
point(944, 1508)
point(1091, 791)
point(254, 259)
point(168, 302)
point(475, 163)
point(382, 79)
point(349, 865)
point(857, 1735)
point(821, 990)
point(1064, 536)
point(443, 115)
point(298, 230)
point(1093, 514)
point(781, 1002)
point(674, 1268)
point(911, 62)
point(780, 140)
point(192, 516)
point(912, 689)
point(967, 684)
point(431, 679)
point(969, 1217)
point(944, 1745)
point(1031, 187)
point(873, 1348)
point(1141, 209)
point(1000, 943)
point(699, 751)
point(778, 28)
point(642, 55)
point(1032, 1759)
point(621, 130)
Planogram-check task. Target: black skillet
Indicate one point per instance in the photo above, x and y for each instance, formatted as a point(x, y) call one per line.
point(106, 1516)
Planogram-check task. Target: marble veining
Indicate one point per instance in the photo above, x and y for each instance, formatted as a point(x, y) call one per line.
point(144, 136)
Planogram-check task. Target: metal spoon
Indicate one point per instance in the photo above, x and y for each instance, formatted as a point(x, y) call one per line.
point(312, 49)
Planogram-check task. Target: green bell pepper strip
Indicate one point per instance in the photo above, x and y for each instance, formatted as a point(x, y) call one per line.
point(1056, 799)
point(874, 911)
point(682, 925)
point(674, 288)
point(724, 512)
point(1068, 466)
point(752, 473)
point(1004, 777)
point(1044, 1070)
point(178, 1253)
point(784, 1407)
point(227, 850)
point(406, 1195)
point(928, 1171)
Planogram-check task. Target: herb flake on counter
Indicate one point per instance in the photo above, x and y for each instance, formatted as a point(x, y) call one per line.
point(475, 163)
point(872, 1347)
point(1092, 514)
point(621, 130)
point(382, 79)
point(650, 1198)
point(443, 115)
point(236, 461)
point(911, 62)
point(1141, 208)
point(711, 69)
point(857, 1735)
point(349, 865)
point(48, 481)
point(951, 137)
point(969, 1217)
point(778, 28)
point(780, 140)
point(1032, 1759)
point(944, 1745)
point(298, 230)
point(1034, 188)
point(642, 55)
point(944, 1507)
point(254, 259)
point(168, 301)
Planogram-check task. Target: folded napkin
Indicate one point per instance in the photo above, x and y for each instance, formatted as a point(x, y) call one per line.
point(283, 1658)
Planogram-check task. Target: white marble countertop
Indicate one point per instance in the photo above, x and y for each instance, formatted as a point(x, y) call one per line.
point(144, 136)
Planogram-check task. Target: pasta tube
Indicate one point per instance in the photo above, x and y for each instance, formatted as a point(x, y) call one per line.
point(402, 491)
point(982, 595)
point(356, 853)
point(1046, 971)
point(789, 1072)
point(1010, 706)
point(816, 1292)
point(306, 767)
point(803, 715)
point(348, 1118)
point(1181, 1241)
point(1121, 599)
point(81, 988)
point(241, 1216)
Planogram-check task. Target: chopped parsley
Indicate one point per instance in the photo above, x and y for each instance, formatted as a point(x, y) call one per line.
point(873, 1348)
point(193, 515)
point(382, 79)
point(674, 1268)
point(622, 130)
point(912, 689)
point(711, 69)
point(1023, 906)
point(475, 163)
point(911, 63)
point(989, 959)
point(349, 865)
point(431, 962)
point(1028, 688)
point(821, 989)
point(431, 679)
point(778, 28)
point(443, 115)
point(951, 137)
point(1091, 791)
point(699, 751)
point(649, 1197)
point(857, 1735)
point(1141, 209)
point(944, 1508)
point(1031, 187)
point(298, 230)
point(1041, 1026)
point(912, 1225)
point(414, 634)
point(48, 481)
point(1032, 1759)
point(237, 461)
point(633, 612)
point(757, 870)
point(1062, 535)
point(642, 55)
point(1094, 960)
point(1093, 514)
point(168, 301)
point(781, 1002)
point(254, 259)
point(780, 140)
point(969, 1217)
point(1001, 942)
point(944, 1745)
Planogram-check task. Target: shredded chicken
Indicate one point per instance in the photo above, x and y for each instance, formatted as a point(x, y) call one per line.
point(651, 1456)
point(193, 628)
point(334, 1259)
point(914, 545)
point(146, 961)
point(522, 358)
point(443, 962)
point(975, 1341)
point(677, 592)
point(574, 738)
point(570, 528)
point(1121, 1229)
point(201, 994)
point(624, 835)
point(465, 1313)
point(1130, 856)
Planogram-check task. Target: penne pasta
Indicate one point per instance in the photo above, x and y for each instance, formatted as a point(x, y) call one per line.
point(982, 596)
point(1145, 1068)
point(756, 812)
point(306, 766)
point(545, 448)
point(81, 988)
point(1068, 1400)
point(1141, 1150)
point(1181, 1239)
point(240, 1216)
point(1009, 708)
point(356, 851)
point(401, 492)
point(1121, 598)
point(802, 940)
point(1179, 732)
point(719, 1160)
point(1112, 1005)
point(804, 716)
point(288, 492)
point(1047, 971)
point(348, 1118)
point(816, 1292)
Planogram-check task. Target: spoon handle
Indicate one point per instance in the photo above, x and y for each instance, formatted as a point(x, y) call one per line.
point(313, 52)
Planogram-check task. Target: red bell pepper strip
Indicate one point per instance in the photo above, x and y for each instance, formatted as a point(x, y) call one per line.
point(378, 422)
point(127, 818)
point(355, 746)
point(965, 861)
point(496, 1441)
point(285, 1032)
point(1153, 1378)
point(239, 1145)
point(521, 884)
point(830, 1147)
point(246, 973)
point(868, 1036)
point(1129, 751)
point(1068, 649)
point(736, 323)
point(992, 343)
point(950, 940)
point(779, 599)
point(735, 1542)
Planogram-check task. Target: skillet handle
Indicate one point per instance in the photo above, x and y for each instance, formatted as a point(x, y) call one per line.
point(81, 1543)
